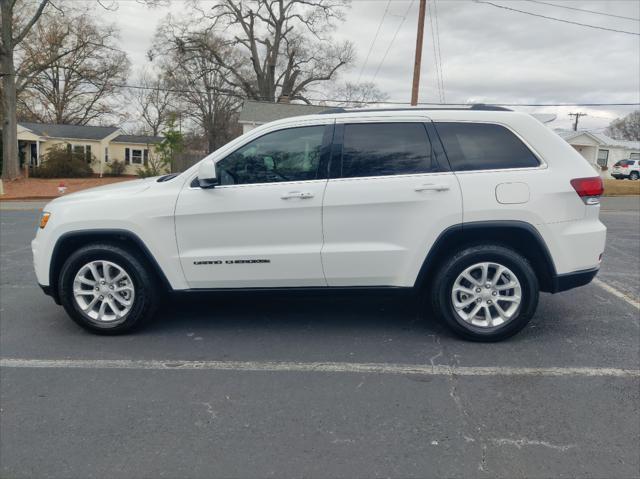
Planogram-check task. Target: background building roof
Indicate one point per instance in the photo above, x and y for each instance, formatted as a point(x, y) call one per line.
point(140, 139)
point(69, 131)
point(263, 112)
point(601, 138)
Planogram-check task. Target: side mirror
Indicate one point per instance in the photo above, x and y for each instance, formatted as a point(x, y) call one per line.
point(207, 177)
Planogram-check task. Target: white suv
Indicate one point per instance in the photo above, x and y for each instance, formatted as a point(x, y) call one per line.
point(476, 209)
point(626, 169)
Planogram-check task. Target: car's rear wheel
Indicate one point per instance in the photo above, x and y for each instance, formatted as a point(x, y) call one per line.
point(485, 292)
point(634, 175)
point(106, 289)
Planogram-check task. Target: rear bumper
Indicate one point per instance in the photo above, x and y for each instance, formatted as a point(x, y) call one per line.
point(564, 282)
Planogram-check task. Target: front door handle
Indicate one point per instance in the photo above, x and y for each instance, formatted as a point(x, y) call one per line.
point(297, 194)
point(432, 187)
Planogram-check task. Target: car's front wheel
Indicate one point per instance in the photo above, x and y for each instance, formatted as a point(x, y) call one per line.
point(634, 175)
point(485, 292)
point(106, 289)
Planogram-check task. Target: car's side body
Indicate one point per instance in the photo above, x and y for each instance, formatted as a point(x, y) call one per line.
point(337, 231)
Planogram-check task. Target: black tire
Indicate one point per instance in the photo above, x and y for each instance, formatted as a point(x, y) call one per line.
point(634, 175)
point(446, 276)
point(146, 296)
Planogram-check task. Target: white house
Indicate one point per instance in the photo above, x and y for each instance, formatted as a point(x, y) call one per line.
point(256, 113)
point(100, 144)
point(600, 150)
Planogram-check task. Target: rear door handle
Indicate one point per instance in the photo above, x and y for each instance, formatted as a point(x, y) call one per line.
point(297, 194)
point(432, 187)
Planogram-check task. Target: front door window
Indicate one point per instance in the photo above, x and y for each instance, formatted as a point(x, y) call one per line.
point(285, 155)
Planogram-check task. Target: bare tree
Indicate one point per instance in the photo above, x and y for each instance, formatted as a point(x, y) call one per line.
point(16, 23)
point(154, 101)
point(357, 94)
point(79, 86)
point(202, 89)
point(285, 44)
point(627, 128)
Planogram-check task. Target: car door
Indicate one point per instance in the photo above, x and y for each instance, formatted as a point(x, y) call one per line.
point(261, 226)
point(389, 197)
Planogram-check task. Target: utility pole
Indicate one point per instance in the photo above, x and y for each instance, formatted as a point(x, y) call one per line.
point(418, 59)
point(577, 115)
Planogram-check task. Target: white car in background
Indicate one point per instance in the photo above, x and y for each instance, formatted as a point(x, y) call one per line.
point(626, 169)
point(475, 209)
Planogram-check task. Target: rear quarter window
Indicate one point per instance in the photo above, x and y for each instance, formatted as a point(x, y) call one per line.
point(483, 146)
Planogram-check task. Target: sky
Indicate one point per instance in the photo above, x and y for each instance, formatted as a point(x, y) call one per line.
point(488, 54)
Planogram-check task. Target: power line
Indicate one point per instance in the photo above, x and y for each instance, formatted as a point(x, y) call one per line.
point(337, 100)
point(555, 19)
point(435, 10)
point(434, 42)
point(375, 37)
point(404, 18)
point(584, 10)
point(435, 51)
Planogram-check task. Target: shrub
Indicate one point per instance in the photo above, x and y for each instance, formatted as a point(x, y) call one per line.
point(59, 162)
point(147, 172)
point(155, 165)
point(116, 168)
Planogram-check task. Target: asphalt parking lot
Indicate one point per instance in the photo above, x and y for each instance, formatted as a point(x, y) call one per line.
point(321, 386)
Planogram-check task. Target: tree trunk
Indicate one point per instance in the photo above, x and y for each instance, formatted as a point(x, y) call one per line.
point(10, 162)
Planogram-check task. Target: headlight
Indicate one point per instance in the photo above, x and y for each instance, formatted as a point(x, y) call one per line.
point(44, 219)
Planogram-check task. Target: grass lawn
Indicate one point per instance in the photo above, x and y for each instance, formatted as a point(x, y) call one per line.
point(621, 187)
point(44, 188)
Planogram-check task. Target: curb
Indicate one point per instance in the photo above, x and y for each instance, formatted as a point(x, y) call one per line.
point(29, 198)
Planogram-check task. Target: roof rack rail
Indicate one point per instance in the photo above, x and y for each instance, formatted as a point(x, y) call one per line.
point(476, 106)
point(484, 107)
point(329, 111)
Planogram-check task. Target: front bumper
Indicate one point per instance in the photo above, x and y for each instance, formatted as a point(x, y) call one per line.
point(564, 282)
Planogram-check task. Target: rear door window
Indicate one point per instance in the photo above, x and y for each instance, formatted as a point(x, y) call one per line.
point(483, 146)
point(383, 149)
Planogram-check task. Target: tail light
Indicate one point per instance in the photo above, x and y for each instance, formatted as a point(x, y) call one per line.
point(589, 189)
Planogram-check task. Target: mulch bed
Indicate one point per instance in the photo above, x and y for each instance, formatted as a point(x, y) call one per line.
point(41, 188)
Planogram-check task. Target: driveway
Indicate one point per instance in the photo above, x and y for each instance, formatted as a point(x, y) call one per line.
point(321, 386)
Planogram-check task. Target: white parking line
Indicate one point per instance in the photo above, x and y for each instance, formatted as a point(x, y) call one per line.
point(617, 293)
point(317, 367)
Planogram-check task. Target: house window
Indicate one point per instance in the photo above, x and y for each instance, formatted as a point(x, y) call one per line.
point(81, 150)
point(106, 154)
point(603, 157)
point(634, 156)
point(136, 157)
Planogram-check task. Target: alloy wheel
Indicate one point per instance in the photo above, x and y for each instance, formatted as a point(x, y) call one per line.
point(104, 291)
point(486, 295)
